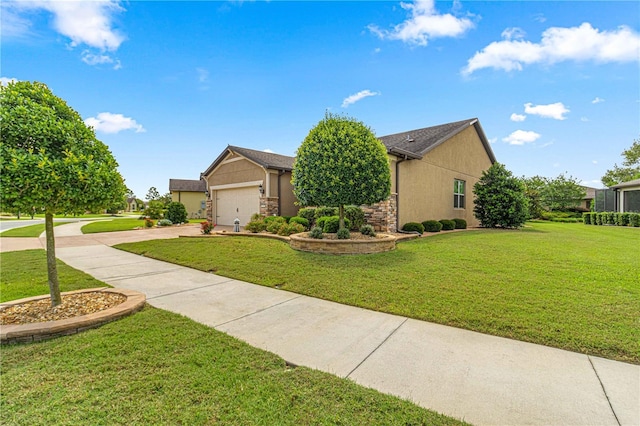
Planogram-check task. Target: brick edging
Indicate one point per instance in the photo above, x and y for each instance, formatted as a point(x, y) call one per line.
point(33, 332)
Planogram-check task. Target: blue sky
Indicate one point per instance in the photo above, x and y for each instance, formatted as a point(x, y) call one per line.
point(168, 85)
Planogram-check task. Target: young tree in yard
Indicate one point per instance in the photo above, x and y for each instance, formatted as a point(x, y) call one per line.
point(562, 193)
point(500, 199)
point(631, 169)
point(339, 163)
point(50, 160)
point(152, 194)
point(533, 188)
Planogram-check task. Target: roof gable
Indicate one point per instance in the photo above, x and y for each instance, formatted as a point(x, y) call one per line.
point(268, 160)
point(416, 143)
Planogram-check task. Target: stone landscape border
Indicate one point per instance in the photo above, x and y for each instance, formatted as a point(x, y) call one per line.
point(33, 332)
point(382, 243)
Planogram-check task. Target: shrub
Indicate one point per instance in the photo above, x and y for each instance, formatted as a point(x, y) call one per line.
point(256, 217)
point(256, 226)
point(301, 220)
point(308, 213)
point(325, 212)
point(447, 225)
point(432, 226)
point(624, 219)
point(594, 218)
point(355, 215)
point(274, 223)
point(587, 218)
point(634, 219)
point(413, 227)
point(611, 218)
point(290, 228)
point(206, 227)
point(367, 229)
point(331, 224)
point(155, 210)
point(316, 232)
point(286, 218)
point(343, 234)
point(148, 223)
point(601, 218)
point(176, 212)
point(164, 222)
point(460, 223)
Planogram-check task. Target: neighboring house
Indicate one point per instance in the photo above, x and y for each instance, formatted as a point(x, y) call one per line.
point(132, 205)
point(627, 196)
point(590, 195)
point(191, 193)
point(433, 171)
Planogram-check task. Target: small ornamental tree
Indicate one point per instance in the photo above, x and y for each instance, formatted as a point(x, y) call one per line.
point(500, 199)
point(176, 212)
point(52, 162)
point(339, 163)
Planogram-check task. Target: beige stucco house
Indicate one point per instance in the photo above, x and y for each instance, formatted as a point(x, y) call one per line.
point(433, 171)
point(628, 196)
point(191, 193)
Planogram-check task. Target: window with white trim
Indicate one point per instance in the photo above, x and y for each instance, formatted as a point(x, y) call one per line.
point(458, 194)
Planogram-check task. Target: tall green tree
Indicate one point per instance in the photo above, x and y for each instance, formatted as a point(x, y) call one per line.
point(152, 194)
point(533, 188)
point(562, 193)
point(339, 163)
point(630, 169)
point(500, 199)
point(50, 160)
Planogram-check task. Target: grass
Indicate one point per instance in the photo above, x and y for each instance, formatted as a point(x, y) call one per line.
point(24, 274)
point(31, 231)
point(569, 286)
point(112, 225)
point(156, 367)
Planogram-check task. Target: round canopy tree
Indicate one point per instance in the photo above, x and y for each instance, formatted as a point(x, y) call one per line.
point(52, 162)
point(500, 199)
point(339, 163)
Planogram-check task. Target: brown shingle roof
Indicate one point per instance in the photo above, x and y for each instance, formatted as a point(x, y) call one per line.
point(627, 184)
point(187, 185)
point(268, 160)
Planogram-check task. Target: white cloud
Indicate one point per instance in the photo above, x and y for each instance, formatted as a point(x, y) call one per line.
point(539, 17)
point(358, 96)
point(267, 150)
point(595, 161)
point(521, 137)
point(493, 140)
point(555, 111)
point(203, 74)
point(558, 44)
point(584, 119)
point(514, 33)
point(90, 58)
point(107, 122)
point(597, 100)
point(4, 81)
point(518, 117)
point(424, 23)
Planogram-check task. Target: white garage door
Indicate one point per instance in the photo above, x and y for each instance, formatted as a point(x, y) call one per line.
point(238, 202)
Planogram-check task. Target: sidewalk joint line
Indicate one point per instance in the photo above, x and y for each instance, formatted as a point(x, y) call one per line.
point(190, 289)
point(604, 390)
point(258, 311)
point(377, 347)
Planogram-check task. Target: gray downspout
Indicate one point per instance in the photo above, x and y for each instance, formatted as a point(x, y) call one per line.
point(280, 173)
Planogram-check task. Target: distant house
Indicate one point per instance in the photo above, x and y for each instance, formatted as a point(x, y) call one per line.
point(590, 196)
point(627, 196)
point(433, 171)
point(132, 205)
point(191, 193)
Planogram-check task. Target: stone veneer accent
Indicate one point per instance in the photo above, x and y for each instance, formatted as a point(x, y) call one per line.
point(210, 210)
point(378, 245)
point(382, 216)
point(269, 206)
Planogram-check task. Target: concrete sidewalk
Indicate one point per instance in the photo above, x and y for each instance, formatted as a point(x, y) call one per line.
point(479, 378)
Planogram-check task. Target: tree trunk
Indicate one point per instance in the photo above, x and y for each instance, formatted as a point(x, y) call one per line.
point(52, 269)
point(341, 213)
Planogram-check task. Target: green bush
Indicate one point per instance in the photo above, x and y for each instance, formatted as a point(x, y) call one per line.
point(611, 218)
point(316, 232)
point(594, 218)
point(164, 222)
point(343, 234)
point(587, 218)
point(274, 223)
point(331, 224)
point(287, 218)
point(325, 212)
point(148, 223)
point(290, 228)
point(634, 219)
point(256, 226)
point(176, 212)
point(155, 210)
point(460, 224)
point(432, 226)
point(355, 216)
point(624, 219)
point(301, 220)
point(367, 229)
point(308, 213)
point(601, 218)
point(413, 227)
point(447, 225)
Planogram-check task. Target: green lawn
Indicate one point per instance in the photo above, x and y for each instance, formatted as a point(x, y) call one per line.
point(24, 274)
point(112, 225)
point(156, 367)
point(569, 286)
point(31, 231)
